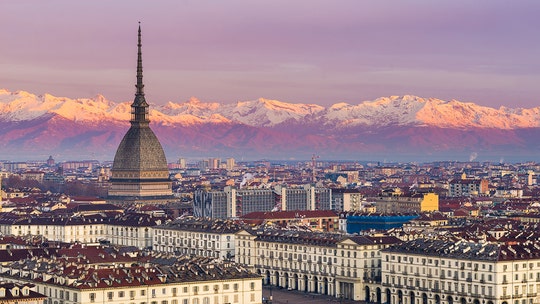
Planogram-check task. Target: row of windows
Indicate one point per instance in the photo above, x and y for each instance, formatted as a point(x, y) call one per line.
point(189, 234)
point(435, 271)
point(174, 290)
point(311, 249)
point(204, 300)
point(440, 285)
point(59, 294)
point(188, 242)
point(435, 262)
point(461, 265)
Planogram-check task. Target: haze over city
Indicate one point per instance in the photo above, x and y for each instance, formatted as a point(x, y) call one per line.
point(319, 52)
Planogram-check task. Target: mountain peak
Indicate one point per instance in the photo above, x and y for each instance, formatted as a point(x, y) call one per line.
point(266, 127)
point(263, 112)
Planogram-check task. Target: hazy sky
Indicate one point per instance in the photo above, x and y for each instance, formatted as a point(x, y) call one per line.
point(301, 51)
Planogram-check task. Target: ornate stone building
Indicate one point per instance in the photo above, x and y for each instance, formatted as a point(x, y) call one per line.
point(89, 274)
point(139, 172)
point(447, 272)
point(197, 236)
point(324, 263)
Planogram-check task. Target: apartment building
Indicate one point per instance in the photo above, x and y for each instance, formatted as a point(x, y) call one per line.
point(419, 202)
point(325, 263)
point(197, 236)
point(317, 220)
point(439, 271)
point(466, 187)
point(92, 275)
point(234, 202)
point(133, 229)
point(347, 199)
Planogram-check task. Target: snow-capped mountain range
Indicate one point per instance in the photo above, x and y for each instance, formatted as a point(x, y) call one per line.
point(399, 127)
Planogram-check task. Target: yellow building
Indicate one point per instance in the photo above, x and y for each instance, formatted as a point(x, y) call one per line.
point(420, 202)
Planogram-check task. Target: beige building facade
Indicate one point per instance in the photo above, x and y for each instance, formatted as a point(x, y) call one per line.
point(446, 272)
point(323, 263)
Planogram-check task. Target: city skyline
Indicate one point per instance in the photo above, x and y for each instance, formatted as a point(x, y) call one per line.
point(318, 52)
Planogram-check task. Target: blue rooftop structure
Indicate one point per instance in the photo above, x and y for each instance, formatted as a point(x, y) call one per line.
point(357, 223)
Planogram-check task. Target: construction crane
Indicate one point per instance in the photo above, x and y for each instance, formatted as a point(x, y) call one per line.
point(313, 167)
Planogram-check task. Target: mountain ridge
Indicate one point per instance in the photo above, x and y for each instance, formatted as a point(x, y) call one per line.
point(265, 128)
point(402, 110)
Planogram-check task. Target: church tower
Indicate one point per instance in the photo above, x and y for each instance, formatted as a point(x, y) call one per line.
point(139, 173)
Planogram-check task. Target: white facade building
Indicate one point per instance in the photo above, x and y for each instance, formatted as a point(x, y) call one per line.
point(197, 236)
point(140, 280)
point(446, 272)
point(324, 263)
point(126, 230)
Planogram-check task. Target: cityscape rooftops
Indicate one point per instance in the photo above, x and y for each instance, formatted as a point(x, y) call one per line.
point(468, 249)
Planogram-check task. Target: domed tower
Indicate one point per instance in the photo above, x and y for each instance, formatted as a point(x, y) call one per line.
point(139, 172)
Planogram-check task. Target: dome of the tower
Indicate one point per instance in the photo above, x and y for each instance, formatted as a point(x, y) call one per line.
point(140, 150)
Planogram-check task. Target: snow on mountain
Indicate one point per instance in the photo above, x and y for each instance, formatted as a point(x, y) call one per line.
point(456, 114)
point(265, 112)
point(385, 111)
point(395, 125)
point(192, 107)
point(188, 113)
point(20, 105)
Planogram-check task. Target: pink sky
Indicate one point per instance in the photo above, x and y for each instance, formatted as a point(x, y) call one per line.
point(302, 51)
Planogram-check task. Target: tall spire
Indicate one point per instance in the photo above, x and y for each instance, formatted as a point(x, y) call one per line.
point(140, 85)
point(139, 107)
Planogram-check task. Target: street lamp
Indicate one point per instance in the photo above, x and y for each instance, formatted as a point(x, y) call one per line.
point(271, 297)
